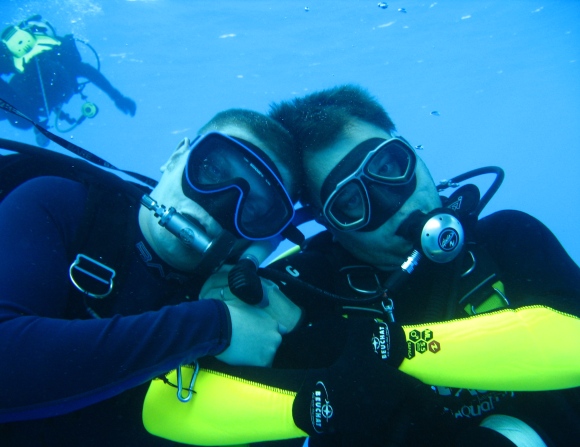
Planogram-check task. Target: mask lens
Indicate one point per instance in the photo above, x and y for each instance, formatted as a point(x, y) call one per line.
point(392, 163)
point(213, 169)
point(349, 206)
point(217, 166)
point(264, 206)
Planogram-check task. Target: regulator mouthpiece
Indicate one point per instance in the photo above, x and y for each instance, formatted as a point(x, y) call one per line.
point(214, 251)
point(439, 234)
point(178, 225)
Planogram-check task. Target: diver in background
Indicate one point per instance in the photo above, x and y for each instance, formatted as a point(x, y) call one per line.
point(44, 71)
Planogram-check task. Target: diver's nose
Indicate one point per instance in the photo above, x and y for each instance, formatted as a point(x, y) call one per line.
point(255, 208)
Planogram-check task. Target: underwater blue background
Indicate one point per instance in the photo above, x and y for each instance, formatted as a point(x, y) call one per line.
point(476, 83)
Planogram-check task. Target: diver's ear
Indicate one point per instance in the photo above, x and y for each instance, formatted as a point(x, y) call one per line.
point(181, 150)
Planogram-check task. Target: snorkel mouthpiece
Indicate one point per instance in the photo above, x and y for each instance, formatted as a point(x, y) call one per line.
point(214, 251)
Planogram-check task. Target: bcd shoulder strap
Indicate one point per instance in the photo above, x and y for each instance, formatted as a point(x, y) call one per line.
point(109, 222)
point(102, 245)
point(481, 287)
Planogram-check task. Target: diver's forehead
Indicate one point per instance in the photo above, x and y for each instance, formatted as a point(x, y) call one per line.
point(242, 132)
point(322, 161)
point(363, 130)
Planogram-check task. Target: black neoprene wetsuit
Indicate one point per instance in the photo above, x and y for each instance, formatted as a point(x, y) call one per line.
point(70, 379)
point(535, 270)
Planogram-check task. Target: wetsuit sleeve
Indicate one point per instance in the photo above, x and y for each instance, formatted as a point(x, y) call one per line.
point(255, 411)
point(527, 348)
point(271, 404)
point(56, 364)
point(363, 376)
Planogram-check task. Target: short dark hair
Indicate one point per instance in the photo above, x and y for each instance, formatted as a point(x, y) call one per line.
point(317, 119)
point(277, 138)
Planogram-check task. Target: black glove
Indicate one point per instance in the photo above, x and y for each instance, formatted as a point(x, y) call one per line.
point(359, 392)
point(126, 105)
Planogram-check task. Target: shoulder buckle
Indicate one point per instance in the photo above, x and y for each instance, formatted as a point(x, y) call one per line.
point(91, 277)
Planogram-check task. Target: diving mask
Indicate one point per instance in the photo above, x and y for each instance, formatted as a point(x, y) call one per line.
point(369, 185)
point(238, 185)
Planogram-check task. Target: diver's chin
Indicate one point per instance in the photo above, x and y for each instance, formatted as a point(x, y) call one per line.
point(211, 229)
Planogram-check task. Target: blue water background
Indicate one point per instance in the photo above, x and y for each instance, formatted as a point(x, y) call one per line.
point(502, 76)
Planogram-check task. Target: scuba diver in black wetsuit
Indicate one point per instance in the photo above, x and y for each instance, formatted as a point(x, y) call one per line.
point(97, 297)
point(396, 249)
point(44, 71)
point(477, 309)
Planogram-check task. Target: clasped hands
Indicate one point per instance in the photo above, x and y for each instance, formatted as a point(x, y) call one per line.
point(256, 332)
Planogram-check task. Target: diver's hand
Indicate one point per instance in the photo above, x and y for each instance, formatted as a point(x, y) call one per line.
point(255, 336)
point(279, 307)
point(126, 105)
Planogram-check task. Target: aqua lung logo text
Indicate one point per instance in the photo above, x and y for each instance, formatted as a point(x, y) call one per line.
point(382, 341)
point(448, 239)
point(320, 409)
point(472, 403)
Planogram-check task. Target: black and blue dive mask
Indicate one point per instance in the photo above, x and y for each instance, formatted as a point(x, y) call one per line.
point(238, 185)
point(369, 185)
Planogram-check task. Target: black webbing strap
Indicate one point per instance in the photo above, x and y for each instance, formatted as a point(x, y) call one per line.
point(77, 150)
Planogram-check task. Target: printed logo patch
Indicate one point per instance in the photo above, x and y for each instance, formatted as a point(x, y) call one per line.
point(382, 340)
point(320, 409)
point(421, 342)
point(448, 239)
point(464, 403)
